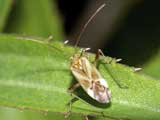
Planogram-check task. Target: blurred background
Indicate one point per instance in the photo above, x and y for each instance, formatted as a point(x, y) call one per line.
point(127, 29)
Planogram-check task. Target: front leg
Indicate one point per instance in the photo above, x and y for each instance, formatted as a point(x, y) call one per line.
point(100, 53)
point(97, 57)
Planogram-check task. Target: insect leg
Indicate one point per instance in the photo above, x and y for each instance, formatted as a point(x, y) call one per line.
point(120, 85)
point(66, 115)
point(83, 52)
point(97, 59)
point(73, 87)
point(86, 117)
point(99, 52)
point(71, 90)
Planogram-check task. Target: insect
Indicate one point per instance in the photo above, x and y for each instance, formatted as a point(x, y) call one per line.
point(90, 78)
point(87, 74)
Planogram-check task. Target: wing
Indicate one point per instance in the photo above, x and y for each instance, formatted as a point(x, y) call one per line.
point(81, 69)
point(95, 74)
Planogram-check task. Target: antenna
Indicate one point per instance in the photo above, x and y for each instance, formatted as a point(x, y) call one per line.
point(86, 24)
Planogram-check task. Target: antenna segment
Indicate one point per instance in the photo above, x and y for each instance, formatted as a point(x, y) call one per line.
point(86, 24)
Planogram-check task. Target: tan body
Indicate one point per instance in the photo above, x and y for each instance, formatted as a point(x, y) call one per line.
point(90, 79)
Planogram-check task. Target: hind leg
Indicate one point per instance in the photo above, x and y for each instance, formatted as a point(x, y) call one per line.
point(98, 61)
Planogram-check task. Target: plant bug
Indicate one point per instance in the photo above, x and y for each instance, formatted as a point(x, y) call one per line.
point(86, 73)
point(89, 77)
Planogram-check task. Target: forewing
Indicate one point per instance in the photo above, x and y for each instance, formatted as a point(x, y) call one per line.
point(81, 69)
point(82, 78)
point(79, 74)
point(86, 67)
point(95, 74)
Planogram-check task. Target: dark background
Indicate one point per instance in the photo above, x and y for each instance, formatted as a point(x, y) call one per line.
point(135, 40)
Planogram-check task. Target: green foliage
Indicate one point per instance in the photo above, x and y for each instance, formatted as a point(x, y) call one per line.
point(10, 113)
point(36, 76)
point(152, 68)
point(35, 18)
point(5, 6)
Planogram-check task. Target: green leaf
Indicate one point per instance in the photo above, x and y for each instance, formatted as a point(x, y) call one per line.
point(5, 6)
point(36, 76)
point(10, 113)
point(36, 18)
point(152, 67)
